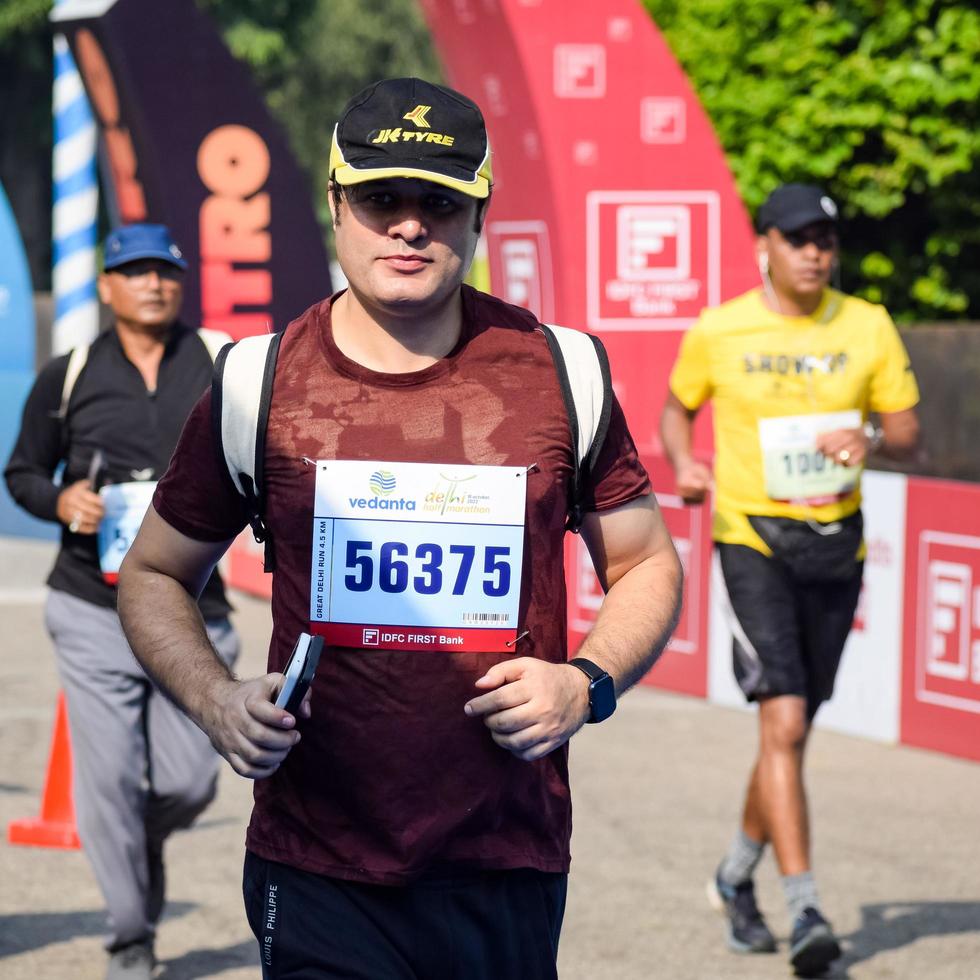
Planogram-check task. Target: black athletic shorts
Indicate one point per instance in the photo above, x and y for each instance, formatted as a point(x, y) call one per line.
point(788, 636)
point(482, 925)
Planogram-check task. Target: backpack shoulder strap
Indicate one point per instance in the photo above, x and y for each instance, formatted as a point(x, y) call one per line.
point(214, 340)
point(586, 385)
point(240, 397)
point(76, 361)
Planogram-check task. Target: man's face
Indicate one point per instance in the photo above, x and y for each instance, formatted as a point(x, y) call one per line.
point(801, 261)
point(145, 294)
point(405, 244)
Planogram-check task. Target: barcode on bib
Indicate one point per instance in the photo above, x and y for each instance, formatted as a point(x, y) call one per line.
point(485, 619)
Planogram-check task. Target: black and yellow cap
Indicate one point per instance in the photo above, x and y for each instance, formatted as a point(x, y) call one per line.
point(794, 206)
point(407, 127)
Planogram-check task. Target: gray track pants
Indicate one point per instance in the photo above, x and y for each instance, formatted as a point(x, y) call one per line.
point(141, 768)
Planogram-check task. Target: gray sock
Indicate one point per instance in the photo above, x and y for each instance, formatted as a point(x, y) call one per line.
point(801, 893)
point(739, 863)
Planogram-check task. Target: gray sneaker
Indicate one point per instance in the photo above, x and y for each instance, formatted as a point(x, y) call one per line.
point(133, 962)
point(747, 929)
point(813, 946)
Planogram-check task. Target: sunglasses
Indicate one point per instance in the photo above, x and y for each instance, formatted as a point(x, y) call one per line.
point(825, 240)
point(139, 270)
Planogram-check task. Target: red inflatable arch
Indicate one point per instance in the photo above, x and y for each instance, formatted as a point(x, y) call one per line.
point(613, 211)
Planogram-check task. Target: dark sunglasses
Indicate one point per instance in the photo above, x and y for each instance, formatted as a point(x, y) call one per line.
point(138, 271)
point(826, 241)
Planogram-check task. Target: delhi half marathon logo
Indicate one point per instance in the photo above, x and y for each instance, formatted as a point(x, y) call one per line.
point(382, 483)
point(417, 116)
point(448, 498)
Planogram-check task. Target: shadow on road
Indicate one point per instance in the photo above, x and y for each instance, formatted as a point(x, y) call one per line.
point(24, 932)
point(896, 924)
point(210, 962)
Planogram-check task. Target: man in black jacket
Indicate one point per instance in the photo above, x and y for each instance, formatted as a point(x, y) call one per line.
point(110, 415)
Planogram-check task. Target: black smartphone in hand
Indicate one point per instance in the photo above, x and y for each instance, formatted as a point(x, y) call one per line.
point(299, 672)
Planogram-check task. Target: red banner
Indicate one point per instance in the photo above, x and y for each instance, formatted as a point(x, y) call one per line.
point(941, 651)
point(613, 211)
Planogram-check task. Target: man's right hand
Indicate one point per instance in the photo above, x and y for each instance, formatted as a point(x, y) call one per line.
point(246, 727)
point(79, 509)
point(694, 480)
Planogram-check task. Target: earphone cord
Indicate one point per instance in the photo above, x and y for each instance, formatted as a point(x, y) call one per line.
point(767, 286)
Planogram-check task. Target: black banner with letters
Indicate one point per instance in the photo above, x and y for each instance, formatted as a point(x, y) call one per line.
point(186, 141)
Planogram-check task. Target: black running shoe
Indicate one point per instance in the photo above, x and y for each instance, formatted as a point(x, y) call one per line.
point(747, 930)
point(813, 946)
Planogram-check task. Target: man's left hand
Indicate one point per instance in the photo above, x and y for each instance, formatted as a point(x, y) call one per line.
point(533, 706)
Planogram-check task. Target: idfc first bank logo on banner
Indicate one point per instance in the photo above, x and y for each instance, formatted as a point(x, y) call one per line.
point(948, 644)
point(941, 663)
point(653, 259)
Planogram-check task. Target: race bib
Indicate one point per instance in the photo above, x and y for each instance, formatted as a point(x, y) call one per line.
point(417, 556)
point(794, 469)
point(125, 506)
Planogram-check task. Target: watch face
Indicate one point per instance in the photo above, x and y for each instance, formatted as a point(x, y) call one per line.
point(602, 698)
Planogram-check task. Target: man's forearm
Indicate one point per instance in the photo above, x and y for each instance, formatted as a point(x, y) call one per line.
point(896, 438)
point(636, 620)
point(676, 432)
point(164, 627)
point(35, 492)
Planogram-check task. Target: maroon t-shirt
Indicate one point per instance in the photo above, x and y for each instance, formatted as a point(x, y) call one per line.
point(391, 780)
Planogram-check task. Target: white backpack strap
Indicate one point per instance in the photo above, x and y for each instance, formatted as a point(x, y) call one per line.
point(241, 394)
point(76, 361)
point(586, 384)
point(586, 368)
point(214, 340)
point(235, 402)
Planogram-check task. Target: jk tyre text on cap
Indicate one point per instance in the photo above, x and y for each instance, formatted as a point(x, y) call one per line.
point(407, 127)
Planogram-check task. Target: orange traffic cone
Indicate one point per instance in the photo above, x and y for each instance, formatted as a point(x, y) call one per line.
point(55, 827)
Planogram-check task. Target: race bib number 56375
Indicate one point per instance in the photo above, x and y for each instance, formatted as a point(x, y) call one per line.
point(417, 556)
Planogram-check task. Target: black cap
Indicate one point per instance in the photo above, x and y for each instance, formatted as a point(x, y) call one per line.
point(794, 206)
point(407, 127)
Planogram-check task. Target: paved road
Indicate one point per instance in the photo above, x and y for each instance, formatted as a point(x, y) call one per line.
point(657, 793)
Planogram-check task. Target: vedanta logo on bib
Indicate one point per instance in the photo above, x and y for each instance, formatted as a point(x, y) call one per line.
point(380, 503)
point(382, 483)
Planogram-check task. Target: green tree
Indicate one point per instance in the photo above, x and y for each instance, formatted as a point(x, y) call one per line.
point(311, 56)
point(21, 16)
point(877, 100)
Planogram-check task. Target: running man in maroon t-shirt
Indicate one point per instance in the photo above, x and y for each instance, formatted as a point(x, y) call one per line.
point(418, 461)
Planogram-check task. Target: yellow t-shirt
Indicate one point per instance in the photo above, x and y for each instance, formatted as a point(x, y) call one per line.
point(796, 373)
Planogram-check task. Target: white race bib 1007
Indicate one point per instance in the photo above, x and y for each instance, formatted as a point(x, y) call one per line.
point(125, 507)
point(794, 468)
point(417, 556)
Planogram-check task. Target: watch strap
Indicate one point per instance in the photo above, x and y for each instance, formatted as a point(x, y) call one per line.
point(602, 690)
point(593, 671)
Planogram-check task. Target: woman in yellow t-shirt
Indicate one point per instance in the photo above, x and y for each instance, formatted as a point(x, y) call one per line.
point(792, 370)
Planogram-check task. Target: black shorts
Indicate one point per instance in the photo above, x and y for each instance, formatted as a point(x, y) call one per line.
point(482, 925)
point(789, 636)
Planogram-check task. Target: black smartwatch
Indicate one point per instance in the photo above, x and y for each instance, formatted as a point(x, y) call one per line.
point(602, 690)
